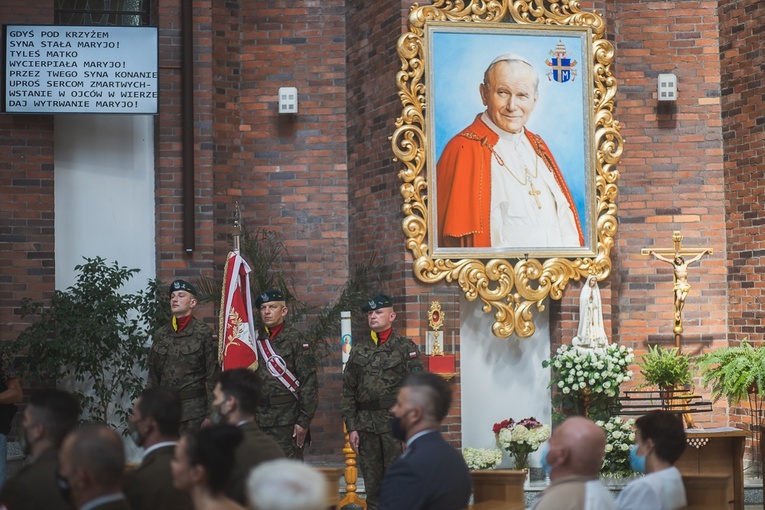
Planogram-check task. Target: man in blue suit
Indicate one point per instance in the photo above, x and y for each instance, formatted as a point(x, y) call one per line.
point(431, 474)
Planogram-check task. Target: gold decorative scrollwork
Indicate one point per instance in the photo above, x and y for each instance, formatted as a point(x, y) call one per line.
point(512, 291)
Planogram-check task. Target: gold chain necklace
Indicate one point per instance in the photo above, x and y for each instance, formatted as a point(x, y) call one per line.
point(527, 176)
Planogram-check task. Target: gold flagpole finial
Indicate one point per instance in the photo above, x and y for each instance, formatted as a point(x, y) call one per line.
point(237, 226)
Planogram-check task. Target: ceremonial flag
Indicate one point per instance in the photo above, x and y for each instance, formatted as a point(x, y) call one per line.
point(236, 343)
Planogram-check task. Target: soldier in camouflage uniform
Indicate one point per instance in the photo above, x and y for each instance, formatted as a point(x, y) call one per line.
point(372, 377)
point(184, 357)
point(287, 374)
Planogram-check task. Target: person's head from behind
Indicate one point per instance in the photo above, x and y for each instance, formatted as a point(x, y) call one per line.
point(576, 447)
point(286, 484)
point(659, 441)
point(509, 91)
point(156, 416)
point(422, 403)
point(205, 459)
point(50, 415)
point(236, 394)
point(91, 464)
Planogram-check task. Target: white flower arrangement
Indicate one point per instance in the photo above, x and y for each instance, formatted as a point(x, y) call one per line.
point(481, 458)
point(521, 438)
point(620, 436)
point(598, 371)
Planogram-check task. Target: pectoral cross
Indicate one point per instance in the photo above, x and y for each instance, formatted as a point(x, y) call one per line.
point(680, 267)
point(534, 193)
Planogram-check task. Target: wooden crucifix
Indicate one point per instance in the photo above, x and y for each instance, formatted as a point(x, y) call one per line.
point(680, 267)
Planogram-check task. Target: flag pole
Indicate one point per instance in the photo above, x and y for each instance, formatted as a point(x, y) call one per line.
point(236, 340)
point(237, 226)
point(351, 471)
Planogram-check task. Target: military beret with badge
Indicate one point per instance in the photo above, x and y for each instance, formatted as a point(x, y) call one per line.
point(268, 296)
point(377, 302)
point(182, 285)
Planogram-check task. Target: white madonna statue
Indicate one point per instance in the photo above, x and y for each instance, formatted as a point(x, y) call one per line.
point(591, 333)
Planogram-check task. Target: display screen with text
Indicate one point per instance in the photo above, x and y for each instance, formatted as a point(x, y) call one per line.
point(66, 69)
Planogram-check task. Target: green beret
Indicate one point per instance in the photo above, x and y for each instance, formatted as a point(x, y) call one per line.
point(182, 285)
point(267, 296)
point(377, 302)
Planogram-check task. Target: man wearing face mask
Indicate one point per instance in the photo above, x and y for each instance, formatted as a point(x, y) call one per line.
point(235, 402)
point(376, 367)
point(50, 415)
point(154, 425)
point(659, 442)
point(572, 458)
point(184, 357)
point(431, 474)
point(91, 466)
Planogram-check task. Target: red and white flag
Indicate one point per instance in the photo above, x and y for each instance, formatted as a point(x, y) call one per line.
point(236, 343)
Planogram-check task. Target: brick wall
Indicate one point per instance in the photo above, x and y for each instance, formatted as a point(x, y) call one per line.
point(743, 131)
point(26, 197)
point(671, 175)
point(288, 172)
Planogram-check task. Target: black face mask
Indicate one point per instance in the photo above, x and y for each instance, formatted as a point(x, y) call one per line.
point(24, 443)
point(64, 488)
point(396, 429)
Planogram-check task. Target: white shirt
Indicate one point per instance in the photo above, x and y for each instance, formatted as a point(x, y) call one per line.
point(662, 490)
point(528, 208)
point(597, 497)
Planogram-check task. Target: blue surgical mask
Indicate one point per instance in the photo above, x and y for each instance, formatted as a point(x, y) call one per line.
point(637, 462)
point(543, 453)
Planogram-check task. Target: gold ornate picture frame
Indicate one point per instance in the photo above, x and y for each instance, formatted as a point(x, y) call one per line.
point(569, 126)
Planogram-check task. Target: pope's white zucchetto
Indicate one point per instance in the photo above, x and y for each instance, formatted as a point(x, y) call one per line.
point(509, 57)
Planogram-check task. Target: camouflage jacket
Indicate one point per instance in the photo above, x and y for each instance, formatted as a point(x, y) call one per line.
point(277, 406)
point(187, 362)
point(372, 378)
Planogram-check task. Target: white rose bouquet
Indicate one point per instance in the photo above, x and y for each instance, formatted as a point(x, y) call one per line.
point(589, 377)
point(481, 458)
point(620, 436)
point(521, 438)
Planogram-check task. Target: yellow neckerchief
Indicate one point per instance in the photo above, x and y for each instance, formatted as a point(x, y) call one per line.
point(175, 323)
point(374, 337)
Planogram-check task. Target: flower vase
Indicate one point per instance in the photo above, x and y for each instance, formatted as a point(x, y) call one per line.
point(527, 480)
point(521, 461)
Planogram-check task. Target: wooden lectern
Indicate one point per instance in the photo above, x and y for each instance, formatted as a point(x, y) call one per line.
point(717, 452)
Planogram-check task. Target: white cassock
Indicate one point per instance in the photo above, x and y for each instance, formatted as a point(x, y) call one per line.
point(528, 208)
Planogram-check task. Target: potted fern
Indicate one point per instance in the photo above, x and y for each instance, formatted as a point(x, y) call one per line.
point(665, 368)
point(736, 373)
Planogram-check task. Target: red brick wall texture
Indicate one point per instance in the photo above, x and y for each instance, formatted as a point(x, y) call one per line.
point(326, 179)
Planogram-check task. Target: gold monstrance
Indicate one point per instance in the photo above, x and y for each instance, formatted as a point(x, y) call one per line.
point(436, 321)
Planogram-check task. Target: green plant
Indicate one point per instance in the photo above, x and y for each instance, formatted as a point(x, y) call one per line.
point(665, 368)
point(737, 373)
point(734, 373)
point(93, 339)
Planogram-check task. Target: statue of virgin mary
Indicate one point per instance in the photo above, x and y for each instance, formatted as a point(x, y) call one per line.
point(591, 333)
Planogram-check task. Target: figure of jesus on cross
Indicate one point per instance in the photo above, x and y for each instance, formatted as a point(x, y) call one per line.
point(680, 267)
